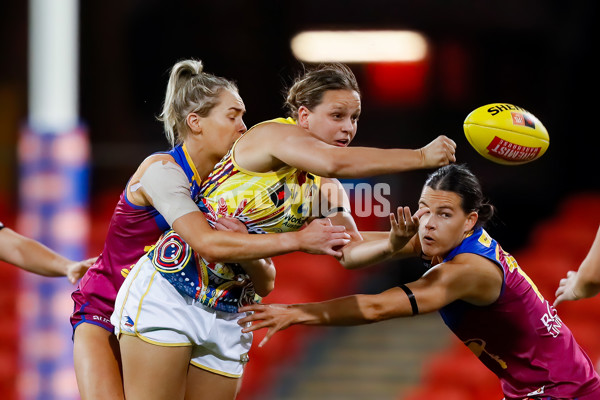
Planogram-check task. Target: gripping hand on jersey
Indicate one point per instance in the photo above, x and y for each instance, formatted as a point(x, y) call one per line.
point(321, 237)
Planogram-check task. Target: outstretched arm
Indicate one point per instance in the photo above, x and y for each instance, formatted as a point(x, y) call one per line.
point(468, 277)
point(163, 184)
point(371, 247)
point(319, 237)
point(33, 256)
point(585, 282)
point(296, 147)
point(399, 242)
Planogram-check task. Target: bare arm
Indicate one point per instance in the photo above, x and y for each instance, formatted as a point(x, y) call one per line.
point(296, 147)
point(161, 183)
point(585, 282)
point(33, 256)
point(320, 237)
point(398, 243)
point(376, 246)
point(468, 277)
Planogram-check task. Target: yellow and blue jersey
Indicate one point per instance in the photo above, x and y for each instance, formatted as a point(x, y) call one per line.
point(267, 202)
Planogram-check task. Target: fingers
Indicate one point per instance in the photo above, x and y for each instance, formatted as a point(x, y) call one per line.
point(266, 338)
point(420, 212)
point(325, 221)
point(393, 222)
point(405, 221)
point(445, 148)
point(559, 300)
point(220, 227)
point(227, 223)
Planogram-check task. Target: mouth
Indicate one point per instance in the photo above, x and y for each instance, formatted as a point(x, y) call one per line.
point(427, 240)
point(341, 142)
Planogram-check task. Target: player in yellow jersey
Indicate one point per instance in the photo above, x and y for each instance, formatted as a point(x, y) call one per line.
point(270, 181)
point(203, 116)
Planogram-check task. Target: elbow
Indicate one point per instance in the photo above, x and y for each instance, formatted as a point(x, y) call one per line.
point(349, 265)
point(210, 254)
point(210, 249)
point(374, 312)
point(265, 289)
point(336, 167)
point(213, 256)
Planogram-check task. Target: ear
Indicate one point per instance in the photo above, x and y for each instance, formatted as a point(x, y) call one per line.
point(303, 114)
point(194, 123)
point(471, 221)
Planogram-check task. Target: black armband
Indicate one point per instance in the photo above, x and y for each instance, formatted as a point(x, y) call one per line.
point(411, 298)
point(335, 210)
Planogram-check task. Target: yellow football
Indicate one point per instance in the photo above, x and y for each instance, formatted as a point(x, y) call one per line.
point(506, 134)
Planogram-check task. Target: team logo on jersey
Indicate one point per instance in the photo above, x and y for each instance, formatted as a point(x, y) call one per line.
point(171, 254)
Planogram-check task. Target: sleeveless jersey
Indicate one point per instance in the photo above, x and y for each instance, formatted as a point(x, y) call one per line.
point(132, 230)
point(270, 202)
point(520, 336)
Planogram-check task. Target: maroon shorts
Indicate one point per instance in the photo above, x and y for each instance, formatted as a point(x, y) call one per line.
point(92, 305)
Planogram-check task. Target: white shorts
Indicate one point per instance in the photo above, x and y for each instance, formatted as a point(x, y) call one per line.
point(149, 307)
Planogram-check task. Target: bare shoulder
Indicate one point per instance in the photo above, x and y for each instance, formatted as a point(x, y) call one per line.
point(477, 278)
point(271, 131)
point(151, 159)
point(137, 197)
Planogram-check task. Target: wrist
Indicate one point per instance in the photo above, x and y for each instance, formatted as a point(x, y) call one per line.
point(293, 242)
point(421, 155)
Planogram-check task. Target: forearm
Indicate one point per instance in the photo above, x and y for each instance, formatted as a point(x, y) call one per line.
point(343, 311)
point(588, 274)
point(376, 247)
point(239, 247)
point(34, 257)
point(366, 252)
point(373, 161)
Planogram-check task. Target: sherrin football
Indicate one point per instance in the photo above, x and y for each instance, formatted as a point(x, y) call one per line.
point(506, 134)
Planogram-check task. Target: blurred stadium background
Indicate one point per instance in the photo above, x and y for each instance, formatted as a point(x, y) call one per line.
point(532, 53)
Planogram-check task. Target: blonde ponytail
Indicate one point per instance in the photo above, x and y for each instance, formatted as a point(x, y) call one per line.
point(190, 90)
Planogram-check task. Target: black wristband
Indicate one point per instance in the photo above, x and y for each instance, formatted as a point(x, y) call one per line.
point(411, 298)
point(335, 210)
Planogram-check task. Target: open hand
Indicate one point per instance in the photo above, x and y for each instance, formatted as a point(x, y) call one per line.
point(275, 317)
point(405, 227)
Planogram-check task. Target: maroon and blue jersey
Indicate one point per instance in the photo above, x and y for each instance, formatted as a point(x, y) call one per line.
point(520, 336)
point(132, 230)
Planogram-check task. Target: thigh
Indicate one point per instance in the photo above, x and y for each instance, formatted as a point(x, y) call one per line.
point(153, 372)
point(97, 359)
point(203, 384)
